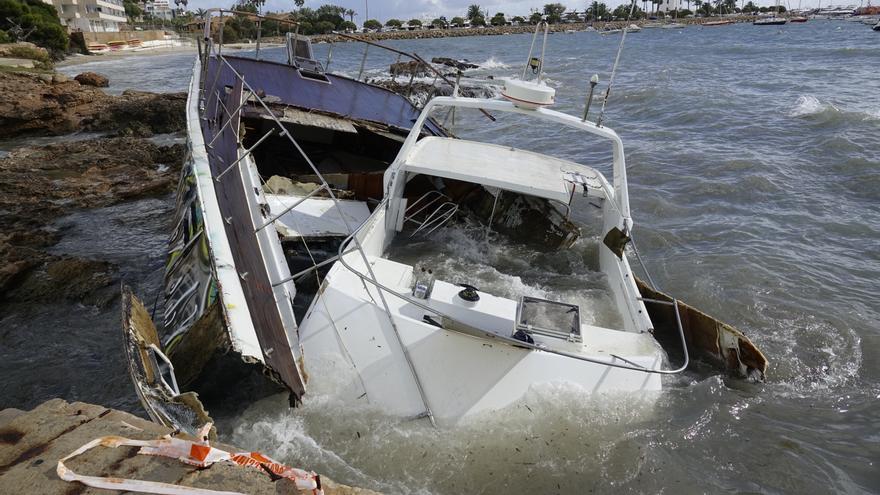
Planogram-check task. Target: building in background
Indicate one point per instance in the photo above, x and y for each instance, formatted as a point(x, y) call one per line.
point(95, 16)
point(669, 5)
point(158, 9)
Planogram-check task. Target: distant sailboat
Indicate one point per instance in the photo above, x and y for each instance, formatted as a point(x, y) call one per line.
point(773, 20)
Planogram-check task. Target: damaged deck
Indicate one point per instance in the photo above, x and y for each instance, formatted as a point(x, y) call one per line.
point(31, 443)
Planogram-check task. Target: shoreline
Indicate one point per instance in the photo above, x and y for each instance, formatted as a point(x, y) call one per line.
point(503, 30)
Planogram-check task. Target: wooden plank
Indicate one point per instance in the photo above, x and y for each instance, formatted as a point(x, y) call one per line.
point(257, 288)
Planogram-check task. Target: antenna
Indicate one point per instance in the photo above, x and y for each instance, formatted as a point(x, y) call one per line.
point(614, 69)
point(593, 82)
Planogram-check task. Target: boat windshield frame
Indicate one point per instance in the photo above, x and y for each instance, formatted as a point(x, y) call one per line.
point(619, 181)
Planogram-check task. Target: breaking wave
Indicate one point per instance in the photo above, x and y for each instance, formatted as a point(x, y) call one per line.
point(810, 106)
point(493, 63)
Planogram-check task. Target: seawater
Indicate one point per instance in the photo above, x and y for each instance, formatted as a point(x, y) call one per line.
point(753, 157)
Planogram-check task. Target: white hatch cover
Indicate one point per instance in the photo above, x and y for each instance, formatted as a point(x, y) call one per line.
point(315, 217)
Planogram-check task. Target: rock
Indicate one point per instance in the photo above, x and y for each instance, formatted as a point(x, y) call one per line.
point(40, 184)
point(32, 443)
point(43, 104)
point(19, 63)
point(12, 50)
point(93, 79)
point(59, 78)
point(412, 68)
point(451, 62)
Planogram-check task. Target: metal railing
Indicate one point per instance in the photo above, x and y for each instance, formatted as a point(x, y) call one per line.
point(371, 279)
point(207, 95)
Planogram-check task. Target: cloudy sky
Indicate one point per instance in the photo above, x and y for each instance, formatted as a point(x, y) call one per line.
point(409, 9)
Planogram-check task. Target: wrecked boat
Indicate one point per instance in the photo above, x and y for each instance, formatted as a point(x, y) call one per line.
point(299, 187)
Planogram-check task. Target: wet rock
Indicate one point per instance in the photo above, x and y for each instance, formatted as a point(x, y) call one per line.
point(40, 184)
point(137, 113)
point(451, 62)
point(412, 68)
point(67, 278)
point(93, 79)
point(46, 104)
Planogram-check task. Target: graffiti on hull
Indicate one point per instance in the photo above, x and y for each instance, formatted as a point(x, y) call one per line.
point(190, 284)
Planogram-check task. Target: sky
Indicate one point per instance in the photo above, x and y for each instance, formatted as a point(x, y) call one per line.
point(430, 9)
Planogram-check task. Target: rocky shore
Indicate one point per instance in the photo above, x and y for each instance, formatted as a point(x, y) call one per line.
point(39, 184)
point(502, 30)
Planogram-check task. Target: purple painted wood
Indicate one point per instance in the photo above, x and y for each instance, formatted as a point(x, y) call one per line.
point(341, 96)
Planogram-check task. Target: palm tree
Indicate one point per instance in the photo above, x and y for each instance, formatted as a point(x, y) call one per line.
point(351, 13)
point(473, 12)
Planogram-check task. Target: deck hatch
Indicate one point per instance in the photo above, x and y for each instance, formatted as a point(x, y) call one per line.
point(550, 318)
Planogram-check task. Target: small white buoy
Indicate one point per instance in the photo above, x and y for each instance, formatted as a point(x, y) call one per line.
point(528, 95)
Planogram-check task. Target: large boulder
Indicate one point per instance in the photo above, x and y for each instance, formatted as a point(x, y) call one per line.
point(47, 104)
point(93, 79)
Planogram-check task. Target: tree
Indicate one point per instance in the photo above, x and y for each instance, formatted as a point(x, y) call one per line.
point(372, 25)
point(599, 11)
point(440, 23)
point(623, 12)
point(518, 20)
point(535, 18)
point(348, 26)
point(473, 12)
point(554, 12)
point(395, 23)
point(324, 27)
point(498, 19)
point(34, 21)
point(414, 23)
point(457, 22)
point(132, 10)
point(351, 13)
point(478, 21)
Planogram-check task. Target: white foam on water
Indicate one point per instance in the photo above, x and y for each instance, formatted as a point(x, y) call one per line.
point(809, 105)
point(493, 63)
point(555, 427)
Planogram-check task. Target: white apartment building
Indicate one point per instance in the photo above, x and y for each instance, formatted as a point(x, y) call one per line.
point(159, 9)
point(90, 15)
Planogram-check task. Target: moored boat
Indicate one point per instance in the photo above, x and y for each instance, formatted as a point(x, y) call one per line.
point(723, 22)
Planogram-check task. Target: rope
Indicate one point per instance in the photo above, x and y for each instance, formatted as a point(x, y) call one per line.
point(614, 69)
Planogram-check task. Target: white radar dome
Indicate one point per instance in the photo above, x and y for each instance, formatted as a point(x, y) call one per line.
point(527, 94)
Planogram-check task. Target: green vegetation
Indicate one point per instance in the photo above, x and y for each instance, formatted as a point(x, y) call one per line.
point(498, 19)
point(393, 23)
point(475, 15)
point(34, 21)
point(554, 11)
point(132, 10)
point(414, 22)
point(372, 24)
